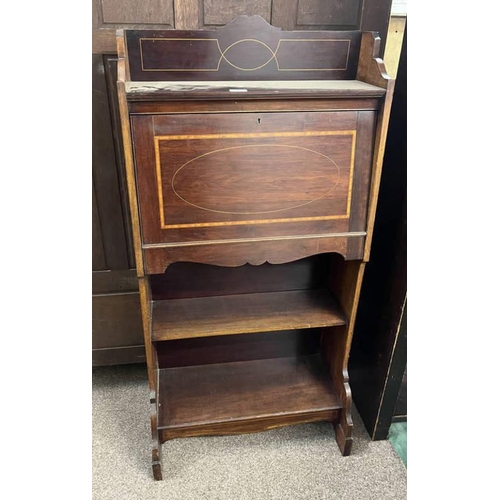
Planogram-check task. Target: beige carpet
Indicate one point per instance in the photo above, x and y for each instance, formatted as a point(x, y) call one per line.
point(297, 462)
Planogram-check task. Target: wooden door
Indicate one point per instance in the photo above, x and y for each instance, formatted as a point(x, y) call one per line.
point(117, 330)
point(116, 321)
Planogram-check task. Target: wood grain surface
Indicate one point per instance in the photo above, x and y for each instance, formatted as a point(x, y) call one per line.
point(184, 280)
point(233, 253)
point(246, 48)
point(245, 313)
point(290, 174)
point(243, 90)
point(241, 394)
point(229, 349)
point(371, 69)
point(240, 105)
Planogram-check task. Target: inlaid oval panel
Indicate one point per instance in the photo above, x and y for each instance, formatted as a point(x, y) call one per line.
point(248, 55)
point(255, 179)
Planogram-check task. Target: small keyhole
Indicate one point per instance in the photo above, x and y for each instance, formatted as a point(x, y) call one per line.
point(258, 121)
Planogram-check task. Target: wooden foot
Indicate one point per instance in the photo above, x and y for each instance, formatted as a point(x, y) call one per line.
point(157, 473)
point(344, 440)
point(343, 428)
point(156, 456)
point(333, 346)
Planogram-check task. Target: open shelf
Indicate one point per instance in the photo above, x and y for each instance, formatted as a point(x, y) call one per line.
point(244, 396)
point(244, 313)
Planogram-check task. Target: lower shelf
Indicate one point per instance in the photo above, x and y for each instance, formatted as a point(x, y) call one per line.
point(245, 396)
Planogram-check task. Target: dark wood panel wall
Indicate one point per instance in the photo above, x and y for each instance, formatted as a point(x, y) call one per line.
point(117, 335)
point(108, 15)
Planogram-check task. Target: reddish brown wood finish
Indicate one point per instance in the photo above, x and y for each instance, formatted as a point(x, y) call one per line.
point(213, 176)
point(234, 253)
point(110, 248)
point(290, 173)
point(244, 313)
point(247, 48)
point(254, 106)
point(228, 349)
point(246, 396)
point(156, 451)
point(249, 90)
point(123, 75)
point(371, 69)
point(184, 280)
point(345, 282)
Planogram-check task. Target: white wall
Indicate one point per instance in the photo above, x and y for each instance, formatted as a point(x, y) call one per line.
point(398, 7)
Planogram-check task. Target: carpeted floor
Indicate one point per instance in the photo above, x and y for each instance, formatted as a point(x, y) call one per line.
point(291, 463)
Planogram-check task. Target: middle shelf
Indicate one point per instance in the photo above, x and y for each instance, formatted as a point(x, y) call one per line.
point(244, 313)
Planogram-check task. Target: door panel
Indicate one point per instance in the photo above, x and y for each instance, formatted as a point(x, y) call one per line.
point(115, 320)
point(320, 13)
point(104, 173)
point(117, 329)
point(132, 12)
point(109, 15)
point(221, 12)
